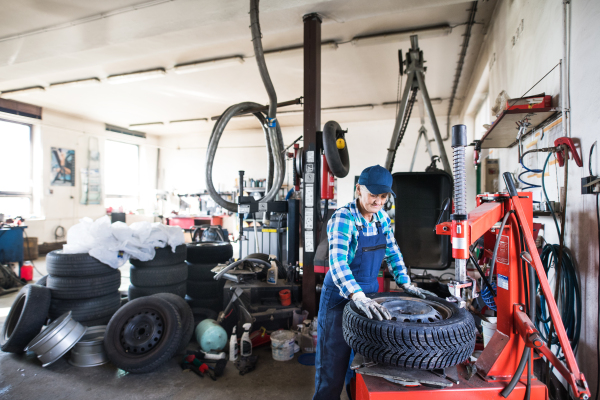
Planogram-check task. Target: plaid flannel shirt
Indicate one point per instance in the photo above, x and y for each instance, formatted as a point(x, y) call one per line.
point(343, 242)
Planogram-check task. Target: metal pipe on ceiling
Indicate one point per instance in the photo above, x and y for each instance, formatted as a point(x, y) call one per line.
point(461, 62)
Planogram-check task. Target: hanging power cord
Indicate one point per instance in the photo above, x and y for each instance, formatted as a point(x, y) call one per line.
point(269, 123)
point(569, 302)
point(598, 287)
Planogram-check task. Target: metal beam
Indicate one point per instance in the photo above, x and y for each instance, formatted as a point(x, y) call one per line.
point(312, 152)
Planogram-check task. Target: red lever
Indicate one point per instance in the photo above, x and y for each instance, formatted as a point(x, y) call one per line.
point(569, 143)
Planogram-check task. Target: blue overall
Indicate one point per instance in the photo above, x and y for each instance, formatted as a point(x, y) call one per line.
point(333, 354)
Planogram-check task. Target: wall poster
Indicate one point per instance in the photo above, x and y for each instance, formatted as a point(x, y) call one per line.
point(62, 168)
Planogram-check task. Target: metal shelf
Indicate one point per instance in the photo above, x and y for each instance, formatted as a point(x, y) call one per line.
point(503, 132)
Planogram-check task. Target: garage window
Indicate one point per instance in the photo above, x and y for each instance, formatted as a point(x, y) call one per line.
point(122, 176)
point(15, 164)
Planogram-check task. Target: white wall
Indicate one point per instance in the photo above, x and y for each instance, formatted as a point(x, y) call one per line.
point(183, 157)
point(515, 69)
point(62, 207)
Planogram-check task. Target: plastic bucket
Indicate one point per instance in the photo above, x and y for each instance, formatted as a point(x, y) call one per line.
point(299, 317)
point(489, 328)
point(282, 345)
point(285, 297)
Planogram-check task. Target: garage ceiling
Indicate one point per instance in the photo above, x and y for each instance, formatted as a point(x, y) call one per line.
point(44, 42)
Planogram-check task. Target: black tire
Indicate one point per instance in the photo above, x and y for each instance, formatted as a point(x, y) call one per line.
point(205, 290)
point(209, 252)
point(164, 256)
point(25, 319)
point(338, 160)
point(86, 287)
point(74, 265)
point(87, 309)
point(42, 281)
point(200, 314)
point(151, 316)
point(158, 276)
point(138, 291)
point(201, 272)
point(214, 304)
point(444, 340)
point(187, 318)
point(259, 256)
point(97, 321)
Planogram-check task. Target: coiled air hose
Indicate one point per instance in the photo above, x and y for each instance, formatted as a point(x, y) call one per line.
point(269, 123)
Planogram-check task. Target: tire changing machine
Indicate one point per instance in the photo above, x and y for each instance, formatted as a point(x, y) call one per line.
point(500, 369)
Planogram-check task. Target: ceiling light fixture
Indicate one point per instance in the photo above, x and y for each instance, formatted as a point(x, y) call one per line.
point(207, 64)
point(145, 124)
point(27, 90)
point(179, 121)
point(394, 104)
point(361, 107)
point(325, 46)
point(136, 76)
point(79, 83)
point(401, 36)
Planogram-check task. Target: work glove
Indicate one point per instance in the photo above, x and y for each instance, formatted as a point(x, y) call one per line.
point(408, 288)
point(370, 307)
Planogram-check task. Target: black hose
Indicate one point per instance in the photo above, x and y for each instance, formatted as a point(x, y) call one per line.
point(485, 280)
point(260, 58)
point(498, 243)
point(276, 173)
point(515, 379)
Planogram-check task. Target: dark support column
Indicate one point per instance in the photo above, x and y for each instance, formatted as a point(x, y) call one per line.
point(311, 176)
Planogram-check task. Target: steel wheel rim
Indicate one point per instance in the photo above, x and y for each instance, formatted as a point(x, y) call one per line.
point(142, 331)
point(421, 311)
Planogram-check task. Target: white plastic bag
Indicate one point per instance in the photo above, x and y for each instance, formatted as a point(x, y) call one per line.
point(114, 244)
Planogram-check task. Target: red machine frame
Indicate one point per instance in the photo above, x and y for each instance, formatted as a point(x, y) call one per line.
point(499, 360)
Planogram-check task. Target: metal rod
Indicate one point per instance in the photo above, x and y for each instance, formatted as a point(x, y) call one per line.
point(434, 125)
point(389, 161)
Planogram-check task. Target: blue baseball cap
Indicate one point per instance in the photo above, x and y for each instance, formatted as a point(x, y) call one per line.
point(377, 179)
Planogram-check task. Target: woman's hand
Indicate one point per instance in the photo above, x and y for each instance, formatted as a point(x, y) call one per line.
point(370, 307)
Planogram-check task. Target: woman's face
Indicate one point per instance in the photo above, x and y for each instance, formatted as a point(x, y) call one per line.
point(372, 203)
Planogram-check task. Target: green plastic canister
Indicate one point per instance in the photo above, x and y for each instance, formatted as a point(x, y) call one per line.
point(211, 336)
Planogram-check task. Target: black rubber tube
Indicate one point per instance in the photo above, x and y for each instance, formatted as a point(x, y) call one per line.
point(213, 143)
point(513, 382)
point(498, 243)
point(485, 280)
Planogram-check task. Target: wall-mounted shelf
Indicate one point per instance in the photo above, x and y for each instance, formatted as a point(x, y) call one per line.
point(503, 132)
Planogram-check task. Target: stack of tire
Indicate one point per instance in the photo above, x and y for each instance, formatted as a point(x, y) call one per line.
point(202, 290)
point(167, 272)
point(83, 285)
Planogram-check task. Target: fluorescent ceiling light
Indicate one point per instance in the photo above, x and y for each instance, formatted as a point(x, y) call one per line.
point(27, 90)
point(207, 64)
point(136, 76)
point(179, 121)
point(394, 104)
point(299, 50)
point(402, 36)
point(79, 82)
point(362, 107)
point(146, 124)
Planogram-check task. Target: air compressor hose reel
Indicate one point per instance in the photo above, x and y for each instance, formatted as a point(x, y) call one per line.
point(338, 158)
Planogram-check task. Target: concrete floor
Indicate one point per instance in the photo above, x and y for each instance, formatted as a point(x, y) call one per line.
point(22, 376)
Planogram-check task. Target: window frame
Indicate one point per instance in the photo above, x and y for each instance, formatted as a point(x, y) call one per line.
point(123, 196)
point(28, 194)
